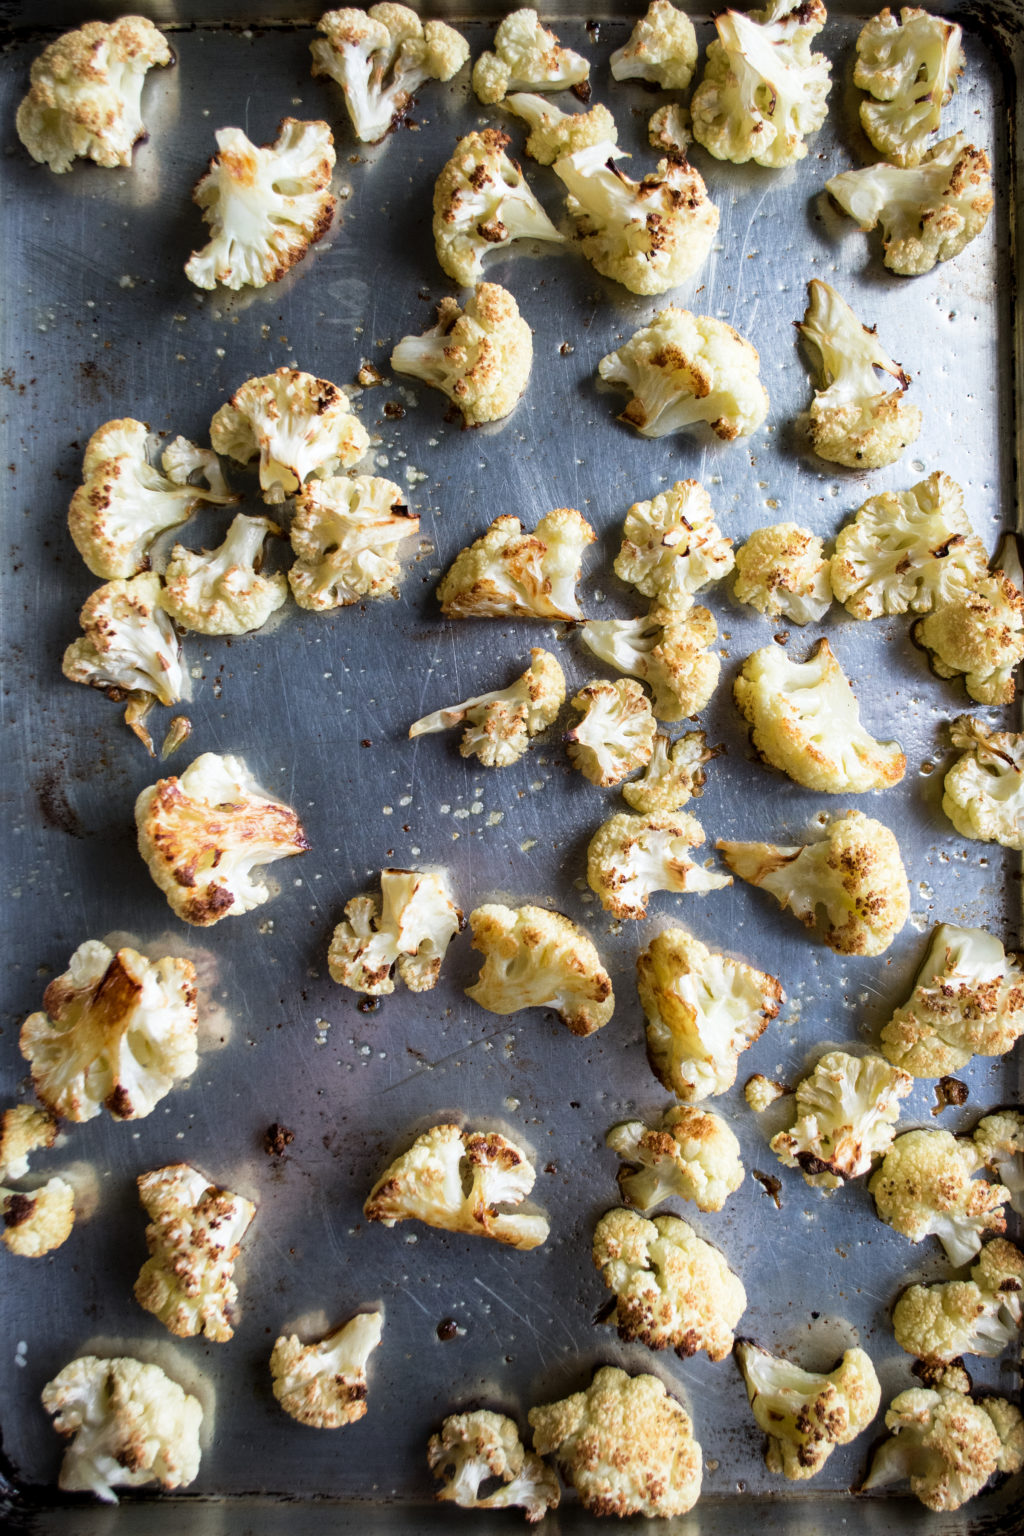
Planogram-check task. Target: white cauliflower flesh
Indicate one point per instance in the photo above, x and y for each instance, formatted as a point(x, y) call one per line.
point(978, 635)
point(968, 1000)
point(265, 206)
point(631, 857)
point(845, 1113)
point(526, 57)
point(806, 1414)
point(345, 534)
point(482, 202)
point(116, 1032)
point(616, 732)
point(669, 650)
point(625, 1444)
point(508, 573)
point(979, 1316)
point(928, 212)
point(129, 1424)
point(457, 1180)
point(669, 130)
point(380, 58)
point(222, 592)
point(762, 1092)
point(805, 720)
point(702, 1010)
point(983, 792)
point(324, 1384)
point(34, 1221)
point(684, 368)
point(674, 774)
point(207, 834)
point(499, 725)
point(691, 1153)
point(783, 572)
point(999, 1139)
point(480, 356)
point(554, 133)
point(925, 1188)
point(662, 48)
point(408, 929)
point(648, 235)
point(534, 958)
point(763, 89)
point(300, 426)
point(910, 67)
point(475, 1448)
point(24, 1129)
point(86, 93)
point(855, 874)
point(193, 1240)
point(129, 644)
point(672, 546)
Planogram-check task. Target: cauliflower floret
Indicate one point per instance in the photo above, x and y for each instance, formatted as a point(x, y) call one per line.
point(691, 1153)
point(648, 235)
point(669, 650)
point(855, 873)
point(482, 202)
point(526, 57)
point(221, 592)
point(631, 857)
point(409, 927)
point(116, 1032)
point(626, 1446)
point(193, 1240)
point(265, 206)
point(925, 1188)
point(380, 58)
point(783, 572)
point(763, 89)
point(508, 573)
point(806, 1414)
point(968, 999)
point(910, 67)
point(762, 1092)
point(999, 1139)
point(499, 725)
point(684, 368)
point(669, 130)
point(456, 1180)
point(979, 635)
point(979, 1316)
point(345, 534)
point(474, 1448)
point(534, 958)
point(301, 427)
point(702, 1010)
point(983, 793)
point(324, 1384)
point(130, 1424)
point(24, 1129)
point(36, 1221)
point(662, 48)
point(674, 774)
point(845, 1113)
point(86, 93)
point(805, 719)
point(554, 133)
point(480, 356)
point(616, 733)
point(672, 546)
point(206, 834)
point(928, 213)
point(129, 643)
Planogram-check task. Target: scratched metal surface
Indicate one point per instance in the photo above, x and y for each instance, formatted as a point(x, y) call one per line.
point(100, 322)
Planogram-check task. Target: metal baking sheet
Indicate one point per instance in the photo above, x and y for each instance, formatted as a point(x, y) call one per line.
point(99, 322)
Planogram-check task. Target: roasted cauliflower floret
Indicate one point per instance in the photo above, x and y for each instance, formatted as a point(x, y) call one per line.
point(475, 1448)
point(684, 368)
point(223, 592)
point(672, 546)
point(24, 1129)
point(910, 68)
point(661, 48)
point(979, 635)
point(456, 1180)
point(845, 1113)
point(380, 57)
point(674, 774)
point(806, 1414)
point(979, 1316)
point(999, 1139)
point(983, 792)
point(206, 834)
point(554, 133)
point(508, 573)
point(631, 857)
point(36, 1221)
point(762, 1092)
point(526, 57)
point(855, 874)
point(925, 1188)
point(482, 202)
point(408, 929)
point(129, 644)
point(616, 733)
point(669, 650)
point(702, 1011)
point(783, 572)
point(479, 356)
point(324, 1384)
point(691, 1153)
point(534, 958)
point(499, 725)
point(345, 534)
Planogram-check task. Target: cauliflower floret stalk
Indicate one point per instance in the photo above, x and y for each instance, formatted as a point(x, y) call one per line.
point(554, 133)
point(852, 421)
point(193, 1239)
point(482, 203)
point(86, 93)
point(222, 592)
point(978, 635)
point(380, 58)
point(324, 1384)
point(479, 356)
point(206, 835)
point(928, 213)
point(702, 1010)
point(672, 546)
point(474, 1448)
point(35, 1221)
point(682, 369)
point(129, 1424)
point(630, 857)
point(662, 48)
point(345, 534)
point(300, 426)
point(855, 873)
point(534, 958)
point(763, 89)
point(408, 929)
point(925, 1188)
point(910, 67)
point(616, 733)
point(625, 1444)
point(690, 1153)
point(806, 1414)
point(129, 644)
point(499, 725)
point(783, 572)
point(527, 57)
point(508, 573)
point(648, 235)
point(669, 650)
point(983, 793)
point(845, 1113)
point(979, 1316)
point(265, 206)
point(674, 774)
point(457, 1180)
point(999, 1139)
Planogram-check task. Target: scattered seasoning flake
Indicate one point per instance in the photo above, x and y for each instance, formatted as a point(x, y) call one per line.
point(276, 1138)
point(949, 1090)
